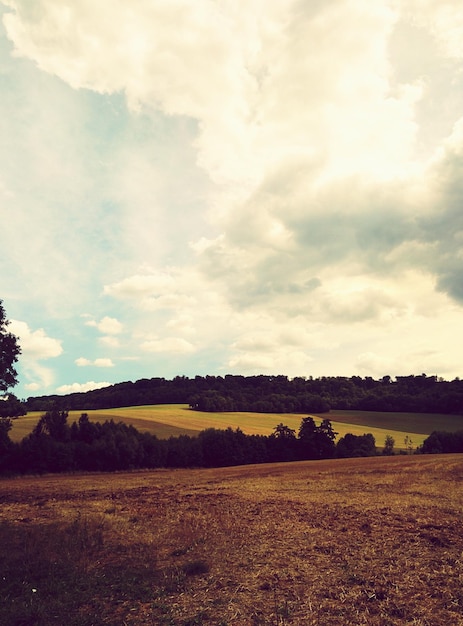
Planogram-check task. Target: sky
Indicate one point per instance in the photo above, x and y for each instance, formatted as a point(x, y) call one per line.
point(231, 187)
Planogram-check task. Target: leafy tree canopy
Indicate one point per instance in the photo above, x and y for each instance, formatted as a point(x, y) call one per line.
point(10, 406)
point(9, 352)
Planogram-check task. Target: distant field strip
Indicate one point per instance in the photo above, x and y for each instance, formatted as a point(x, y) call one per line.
point(415, 422)
point(170, 420)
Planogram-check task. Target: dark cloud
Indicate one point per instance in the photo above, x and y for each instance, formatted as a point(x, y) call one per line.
point(443, 227)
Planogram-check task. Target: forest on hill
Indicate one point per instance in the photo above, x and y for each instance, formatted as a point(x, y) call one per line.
point(272, 394)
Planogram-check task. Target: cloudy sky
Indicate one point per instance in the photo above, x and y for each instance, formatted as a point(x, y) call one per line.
point(231, 186)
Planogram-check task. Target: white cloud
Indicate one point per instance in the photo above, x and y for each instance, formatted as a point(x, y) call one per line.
point(35, 344)
point(253, 363)
point(32, 386)
point(107, 325)
point(171, 345)
point(425, 360)
point(183, 324)
point(287, 176)
point(109, 341)
point(82, 362)
point(42, 376)
point(260, 352)
point(81, 387)
point(141, 285)
point(444, 20)
point(101, 362)
point(246, 78)
point(375, 363)
point(173, 289)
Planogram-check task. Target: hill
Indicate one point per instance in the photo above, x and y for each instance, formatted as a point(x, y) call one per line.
point(272, 394)
point(372, 541)
point(172, 420)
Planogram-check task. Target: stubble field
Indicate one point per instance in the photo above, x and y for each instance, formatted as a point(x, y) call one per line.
point(374, 541)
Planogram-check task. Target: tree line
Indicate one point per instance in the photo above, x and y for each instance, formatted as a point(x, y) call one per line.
point(57, 446)
point(272, 394)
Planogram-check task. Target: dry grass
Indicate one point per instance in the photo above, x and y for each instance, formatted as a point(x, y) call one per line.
point(359, 541)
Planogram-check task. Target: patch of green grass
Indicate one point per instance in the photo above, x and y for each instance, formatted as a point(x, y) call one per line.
point(418, 423)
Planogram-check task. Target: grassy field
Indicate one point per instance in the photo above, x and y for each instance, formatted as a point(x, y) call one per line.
point(168, 420)
point(373, 541)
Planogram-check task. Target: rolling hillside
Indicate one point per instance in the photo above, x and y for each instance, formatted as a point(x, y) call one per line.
point(167, 420)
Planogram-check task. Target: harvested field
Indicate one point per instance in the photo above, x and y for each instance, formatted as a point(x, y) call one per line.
point(374, 541)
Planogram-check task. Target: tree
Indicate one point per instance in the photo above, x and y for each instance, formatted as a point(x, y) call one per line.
point(316, 442)
point(54, 424)
point(356, 445)
point(5, 442)
point(441, 442)
point(283, 432)
point(408, 444)
point(283, 443)
point(326, 440)
point(9, 352)
point(7, 447)
point(308, 438)
point(10, 406)
point(388, 449)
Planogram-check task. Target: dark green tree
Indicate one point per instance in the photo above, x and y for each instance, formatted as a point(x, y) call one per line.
point(7, 447)
point(10, 406)
point(308, 438)
point(326, 440)
point(85, 430)
point(441, 442)
point(389, 443)
point(316, 442)
point(5, 442)
point(53, 423)
point(283, 444)
point(356, 445)
point(9, 353)
point(283, 432)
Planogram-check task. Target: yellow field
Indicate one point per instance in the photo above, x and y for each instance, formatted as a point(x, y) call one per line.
point(166, 420)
